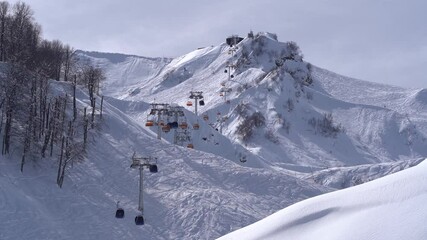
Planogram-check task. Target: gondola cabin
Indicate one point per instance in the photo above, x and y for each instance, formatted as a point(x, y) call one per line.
point(149, 123)
point(189, 103)
point(173, 124)
point(153, 168)
point(183, 125)
point(139, 220)
point(166, 128)
point(202, 103)
point(120, 213)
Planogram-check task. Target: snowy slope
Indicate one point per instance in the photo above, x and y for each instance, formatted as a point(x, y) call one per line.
point(195, 195)
point(391, 208)
point(379, 123)
point(123, 70)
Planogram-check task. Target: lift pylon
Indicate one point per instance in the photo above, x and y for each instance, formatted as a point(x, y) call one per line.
point(158, 110)
point(224, 89)
point(176, 113)
point(197, 95)
point(141, 163)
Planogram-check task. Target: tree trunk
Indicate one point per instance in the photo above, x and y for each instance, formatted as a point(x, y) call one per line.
point(74, 98)
point(102, 101)
point(93, 114)
point(60, 162)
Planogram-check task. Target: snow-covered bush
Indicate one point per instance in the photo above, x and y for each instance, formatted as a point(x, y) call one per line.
point(242, 109)
point(286, 125)
point(289, 105)
point(271, 136)
point(242, 87)
point(325, 126)
point(309, 95)
point(294, 50)
point(247, 126)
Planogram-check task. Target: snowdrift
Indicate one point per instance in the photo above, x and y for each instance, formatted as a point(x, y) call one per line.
point(390, 208)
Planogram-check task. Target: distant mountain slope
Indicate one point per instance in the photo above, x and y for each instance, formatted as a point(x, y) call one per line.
point(313, 117)
point(391, 208)
point(123, 70)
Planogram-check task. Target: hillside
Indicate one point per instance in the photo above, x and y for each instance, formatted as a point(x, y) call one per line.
point(195, 195)
point(368, 122)
point(123, 70)
point(285, 132)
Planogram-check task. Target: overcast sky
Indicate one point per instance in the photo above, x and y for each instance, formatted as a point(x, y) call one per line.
point(376, 40)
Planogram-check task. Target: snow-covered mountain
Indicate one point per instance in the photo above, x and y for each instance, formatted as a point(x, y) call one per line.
point(312, 117)
point(283, 131)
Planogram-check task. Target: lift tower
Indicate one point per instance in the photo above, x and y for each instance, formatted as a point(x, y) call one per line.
point(159, 109)
point(225, 90)
point(141, 162)
point(175, 112)
point(196, 95)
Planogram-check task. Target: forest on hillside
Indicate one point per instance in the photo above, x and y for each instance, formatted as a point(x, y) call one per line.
point(34, 120)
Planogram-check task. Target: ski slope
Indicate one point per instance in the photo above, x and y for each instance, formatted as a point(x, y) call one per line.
point(195, 195)
point(390, 208)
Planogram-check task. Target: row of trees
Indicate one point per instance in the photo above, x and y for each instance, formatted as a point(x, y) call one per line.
point(33, 120)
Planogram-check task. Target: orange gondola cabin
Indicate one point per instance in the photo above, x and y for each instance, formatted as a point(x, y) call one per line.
point(149, 123)
point(183, 125)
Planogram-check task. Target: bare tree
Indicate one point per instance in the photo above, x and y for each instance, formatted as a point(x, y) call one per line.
point(50, 56)
point(92, 77)
point(4, 11)
point(19, 34)
point(21, 30)
point(68, 61)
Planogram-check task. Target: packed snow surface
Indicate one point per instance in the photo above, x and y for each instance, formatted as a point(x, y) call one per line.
point(390, 208)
